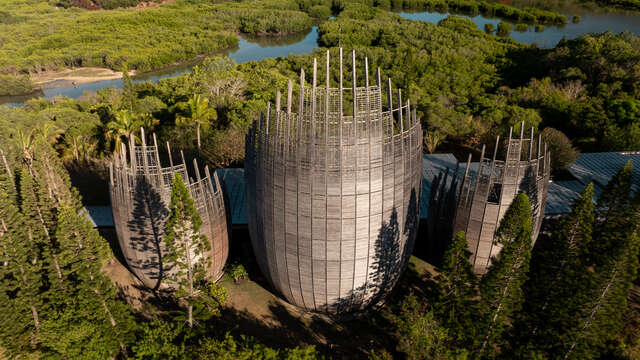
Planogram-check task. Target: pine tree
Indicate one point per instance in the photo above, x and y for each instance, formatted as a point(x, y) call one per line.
point(457, 289)
point(614, 212)
point(186, 246)
point(611, 264)
point(21, 303)
point(557, 279)
point(500, 288)
point(91, 305)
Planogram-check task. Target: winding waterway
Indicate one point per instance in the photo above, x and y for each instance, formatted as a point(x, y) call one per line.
point(259, 48)
point(248, 49)
point(589, 23)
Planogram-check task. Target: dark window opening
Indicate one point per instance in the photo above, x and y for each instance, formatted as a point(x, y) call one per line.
point(494, 194)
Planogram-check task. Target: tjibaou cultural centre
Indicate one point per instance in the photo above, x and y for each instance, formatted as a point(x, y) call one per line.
point(333, 189)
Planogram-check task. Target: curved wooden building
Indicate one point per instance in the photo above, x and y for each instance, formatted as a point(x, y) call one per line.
point(332, 198)
point(140, 191)
point(477, 202)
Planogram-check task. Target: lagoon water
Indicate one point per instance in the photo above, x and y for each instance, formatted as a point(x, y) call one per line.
point(259, 48)
point(589, 23)
point(248, 49)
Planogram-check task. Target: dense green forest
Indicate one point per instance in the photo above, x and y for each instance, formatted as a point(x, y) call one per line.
point(565, 297)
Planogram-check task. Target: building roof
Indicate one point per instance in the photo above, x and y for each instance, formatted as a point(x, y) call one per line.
point(598, 168)
point(432, 165)
point(100, 216)
point(232, 181)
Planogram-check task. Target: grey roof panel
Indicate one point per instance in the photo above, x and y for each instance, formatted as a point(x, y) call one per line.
point(432, 165)
point(233, 183)
point(100, 216)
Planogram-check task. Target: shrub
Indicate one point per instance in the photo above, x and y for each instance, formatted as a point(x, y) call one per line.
point(539, 28)
point(237, 272)
point(15, 85)
point(489, 28)
point(576, 19)
point(320, 12)
point(522, 27)
point(563, 153)
point(504, 28)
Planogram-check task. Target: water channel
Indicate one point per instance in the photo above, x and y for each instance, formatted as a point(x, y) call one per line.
point(259, 48)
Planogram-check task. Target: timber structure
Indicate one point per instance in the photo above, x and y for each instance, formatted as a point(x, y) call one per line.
point(140, 192)
point(332, 189)
point(477, 201)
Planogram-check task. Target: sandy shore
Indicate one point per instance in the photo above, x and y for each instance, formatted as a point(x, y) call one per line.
point(81, 75)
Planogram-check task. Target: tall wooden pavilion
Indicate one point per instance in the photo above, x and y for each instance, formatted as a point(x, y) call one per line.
point(332, 189)
point(140, 191)
point(477, 201)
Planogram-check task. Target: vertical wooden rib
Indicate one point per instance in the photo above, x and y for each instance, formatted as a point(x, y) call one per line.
point(356, 147)
point(298, 155)
point(170, 157)
point(475, 190)
point(326, 181)
point(289, 96)
point(340, 147)
point(368, 129)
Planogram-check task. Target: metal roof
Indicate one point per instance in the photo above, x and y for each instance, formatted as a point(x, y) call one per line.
point(232, 180)
point(432, 165)
point(100, 216)
point(596, 167)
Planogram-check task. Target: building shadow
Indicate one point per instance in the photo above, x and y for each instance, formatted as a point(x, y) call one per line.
point(146, 226)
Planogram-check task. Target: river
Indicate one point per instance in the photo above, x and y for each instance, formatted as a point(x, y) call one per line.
point(259, 48)
point(589, 23)
point(248, 49)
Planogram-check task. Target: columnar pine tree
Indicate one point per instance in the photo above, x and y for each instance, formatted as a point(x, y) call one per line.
point(558, 278)
point(500, 288)
point(611, 261)
point(91, 303)
point(21, 278)
point(54, 299)
point(458, 291)
point(187, 247)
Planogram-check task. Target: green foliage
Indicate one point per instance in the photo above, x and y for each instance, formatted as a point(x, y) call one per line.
point(15, 85)
point(145, 39)
point(504, 28)
point(200, 116)
point(522, 27)
point(489, 28)
point(563, 154)
point(420, 335)
point(501, 287)
point(457, 291)
point(61, 302)
point(237, 272)
point(320, 12)
point(558, 280)
point(186, 246)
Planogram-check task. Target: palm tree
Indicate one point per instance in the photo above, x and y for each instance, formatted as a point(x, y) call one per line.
point(201, 115)
point(49, 132)
point(122, 127)
point(80, 145)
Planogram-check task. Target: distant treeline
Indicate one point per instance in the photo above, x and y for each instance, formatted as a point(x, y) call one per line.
point(527, 15)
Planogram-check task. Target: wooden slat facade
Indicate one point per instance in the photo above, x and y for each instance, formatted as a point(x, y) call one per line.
point(140, 192)
point(332, 199)
point(485, 195)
